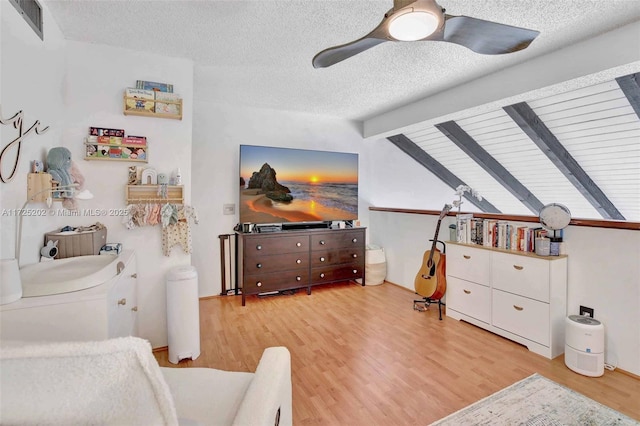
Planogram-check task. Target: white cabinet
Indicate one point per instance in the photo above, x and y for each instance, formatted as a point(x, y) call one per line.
point(104, 311)
point(517, 295)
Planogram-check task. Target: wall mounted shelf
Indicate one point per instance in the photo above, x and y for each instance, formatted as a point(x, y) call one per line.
point(40, 186)
point(149, 194)
point(144, 113)
point(94, 151)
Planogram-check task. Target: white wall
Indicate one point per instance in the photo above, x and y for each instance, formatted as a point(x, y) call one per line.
point(71, 86)
point(32, 81)
point(218, 134)
point(96, 77)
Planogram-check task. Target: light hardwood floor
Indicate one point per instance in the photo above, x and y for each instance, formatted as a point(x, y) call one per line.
point(363, 356)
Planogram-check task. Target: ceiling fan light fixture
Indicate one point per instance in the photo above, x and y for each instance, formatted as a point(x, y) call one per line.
point(413, 26)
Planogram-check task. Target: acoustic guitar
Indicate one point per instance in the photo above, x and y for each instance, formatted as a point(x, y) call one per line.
point(431, 281)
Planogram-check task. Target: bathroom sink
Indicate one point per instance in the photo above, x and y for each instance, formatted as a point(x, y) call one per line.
point(66, 275)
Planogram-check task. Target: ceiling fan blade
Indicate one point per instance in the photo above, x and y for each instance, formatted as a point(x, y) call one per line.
point(335, 54)
point(486, 37)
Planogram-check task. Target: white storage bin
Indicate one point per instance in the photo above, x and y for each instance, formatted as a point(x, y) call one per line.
point(375, 265)
point(183, 313)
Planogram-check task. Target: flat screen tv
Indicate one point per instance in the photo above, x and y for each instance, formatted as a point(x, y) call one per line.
point(280, 185)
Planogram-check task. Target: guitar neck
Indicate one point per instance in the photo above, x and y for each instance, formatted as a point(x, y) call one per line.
point(435, 240)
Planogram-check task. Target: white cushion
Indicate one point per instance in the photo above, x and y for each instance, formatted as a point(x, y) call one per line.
point(114, 381)
point(206, 396)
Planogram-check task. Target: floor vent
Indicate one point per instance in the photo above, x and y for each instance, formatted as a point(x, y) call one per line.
point(31, 11)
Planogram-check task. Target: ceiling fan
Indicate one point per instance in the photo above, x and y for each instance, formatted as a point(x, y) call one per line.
point(425, 20)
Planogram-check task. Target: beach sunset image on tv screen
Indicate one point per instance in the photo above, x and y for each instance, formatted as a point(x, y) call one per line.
point(295, 185)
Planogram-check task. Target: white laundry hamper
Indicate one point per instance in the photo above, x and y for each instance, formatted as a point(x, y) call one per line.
point(183, 313)
point(375, 265)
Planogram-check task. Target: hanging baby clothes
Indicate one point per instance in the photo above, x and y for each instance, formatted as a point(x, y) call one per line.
point(178, 233)
point(153, 217)
point(139, 215)
point(168, 215)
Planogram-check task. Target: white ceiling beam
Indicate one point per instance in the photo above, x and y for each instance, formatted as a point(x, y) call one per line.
point(591, 61)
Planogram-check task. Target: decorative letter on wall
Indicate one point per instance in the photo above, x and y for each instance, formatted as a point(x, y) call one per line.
point(16, 120)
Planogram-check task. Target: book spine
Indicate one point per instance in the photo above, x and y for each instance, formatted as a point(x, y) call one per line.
point(153, 85)
point(101, 131)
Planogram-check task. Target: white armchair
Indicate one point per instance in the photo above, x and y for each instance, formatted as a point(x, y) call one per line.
point(119, 382)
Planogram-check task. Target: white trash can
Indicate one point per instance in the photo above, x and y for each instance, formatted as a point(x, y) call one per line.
point(183, 313)
point(375, 265)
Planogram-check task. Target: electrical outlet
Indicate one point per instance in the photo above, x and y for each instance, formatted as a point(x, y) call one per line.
point(587, 312)
point(229, 209)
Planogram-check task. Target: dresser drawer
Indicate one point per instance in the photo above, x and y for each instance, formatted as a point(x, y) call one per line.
point(469, 298)
point(337, 273)
point(522, 316)
point(254, 284)
point(468, 263)
point(337, 239)
point(522, 275)
point(275, 244)
point(282, 262)
point(335, 257)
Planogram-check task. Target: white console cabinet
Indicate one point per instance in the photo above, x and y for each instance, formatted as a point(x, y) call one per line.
point(518, 295)
point(104, 311)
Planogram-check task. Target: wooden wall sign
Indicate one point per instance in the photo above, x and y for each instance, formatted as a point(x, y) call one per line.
point(17, 122)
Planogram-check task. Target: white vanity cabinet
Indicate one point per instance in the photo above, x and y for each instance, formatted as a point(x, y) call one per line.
point(520, 296)
point(104, 311)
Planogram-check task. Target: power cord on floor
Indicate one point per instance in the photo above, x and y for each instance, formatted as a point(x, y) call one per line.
point(611, 365)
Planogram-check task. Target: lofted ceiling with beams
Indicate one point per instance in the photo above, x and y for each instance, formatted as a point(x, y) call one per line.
point(581, 147)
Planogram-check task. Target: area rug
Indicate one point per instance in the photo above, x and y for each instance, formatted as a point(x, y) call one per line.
point(536, 401)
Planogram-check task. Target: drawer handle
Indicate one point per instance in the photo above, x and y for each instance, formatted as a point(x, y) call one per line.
point(518, 267)
point(355, 271)
point(322, 259)
point(298, 244)
point(259, 265)
point(518, 308)
point(322, 242)
point(355, 240)
point(134, 309)
point(298, 278)
point(134, 275)
point(467, 291)
point(122, 301)
point(259, 284)
point(466, 256)
point(355, 255)
point(258, 247)
point(119, 267)
point(322, 275)
point(298, 261)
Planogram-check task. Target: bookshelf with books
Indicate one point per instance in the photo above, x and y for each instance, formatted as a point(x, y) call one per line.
point(152, 99)
point(113, 145)
point(498, 234)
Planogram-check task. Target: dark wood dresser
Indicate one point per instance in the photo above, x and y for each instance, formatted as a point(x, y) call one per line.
point(286, 260)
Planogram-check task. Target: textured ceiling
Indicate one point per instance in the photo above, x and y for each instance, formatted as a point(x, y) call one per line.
point(258, 53)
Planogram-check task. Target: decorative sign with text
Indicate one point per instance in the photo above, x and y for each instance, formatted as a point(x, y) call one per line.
point(17, 122)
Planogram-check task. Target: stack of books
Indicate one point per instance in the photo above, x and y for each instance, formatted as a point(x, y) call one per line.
point(497, 233)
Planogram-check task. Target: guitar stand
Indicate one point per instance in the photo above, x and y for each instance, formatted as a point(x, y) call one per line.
point(426, 302)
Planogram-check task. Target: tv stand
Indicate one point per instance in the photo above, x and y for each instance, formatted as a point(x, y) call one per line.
point(288, 226)
point(299, 258)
